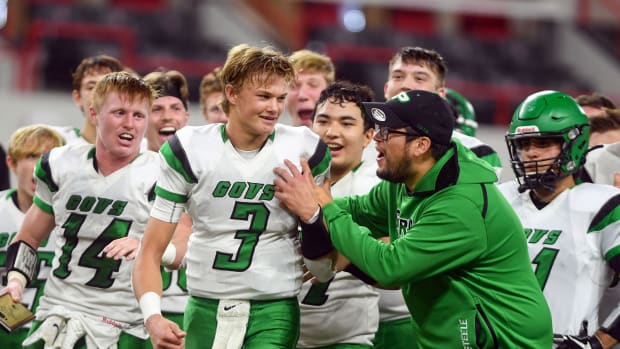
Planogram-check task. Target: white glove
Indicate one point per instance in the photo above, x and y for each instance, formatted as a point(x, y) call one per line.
point(74, 331)
point(321, 269)
point(49, 331)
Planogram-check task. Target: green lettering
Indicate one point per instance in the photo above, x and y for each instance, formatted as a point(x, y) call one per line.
point(237, 189)
point(117, 208)
point(552, 237)
point(73, 202)
point(4, 239)
point(87, 204)
point(268, 192)
point(102, 204)
point(253, 190)
point(527, 232)
point(221, 189)
point(538, 234)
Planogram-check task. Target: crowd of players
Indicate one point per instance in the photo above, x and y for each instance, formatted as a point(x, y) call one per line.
point(137, 225)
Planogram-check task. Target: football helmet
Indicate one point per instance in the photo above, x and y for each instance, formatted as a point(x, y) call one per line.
point(548, 114)
point(464, 113)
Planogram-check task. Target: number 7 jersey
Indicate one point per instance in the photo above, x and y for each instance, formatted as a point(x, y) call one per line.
point(570, 242)
point(243, 244)
point(91, 210)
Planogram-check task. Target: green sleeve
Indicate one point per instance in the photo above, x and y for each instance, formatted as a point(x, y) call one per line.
point(449, 233)
point(369, 210)
point(493, 160)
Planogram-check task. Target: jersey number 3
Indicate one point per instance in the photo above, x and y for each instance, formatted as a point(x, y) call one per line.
point(258, 215)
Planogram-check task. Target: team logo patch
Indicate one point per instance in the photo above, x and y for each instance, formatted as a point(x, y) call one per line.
point(527, 129)
point(377, 114)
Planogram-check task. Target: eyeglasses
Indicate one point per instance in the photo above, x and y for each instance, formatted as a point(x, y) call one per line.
point(383, 134)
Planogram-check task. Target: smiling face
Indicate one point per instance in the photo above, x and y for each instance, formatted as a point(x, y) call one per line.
point(406, 76)
point(255, 109)
point(167, 116)
point(121, 124)
point(303, 95)
point(341, 127)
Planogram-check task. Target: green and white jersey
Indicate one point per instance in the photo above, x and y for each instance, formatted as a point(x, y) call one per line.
point(90, 211)
point(243, 244)
point(344, 309)
point(11, 219)
point(570, 241)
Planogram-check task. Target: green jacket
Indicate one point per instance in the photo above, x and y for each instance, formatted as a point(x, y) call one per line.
point(458, 252)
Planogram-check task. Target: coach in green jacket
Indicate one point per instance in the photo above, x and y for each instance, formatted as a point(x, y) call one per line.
point(457, 248)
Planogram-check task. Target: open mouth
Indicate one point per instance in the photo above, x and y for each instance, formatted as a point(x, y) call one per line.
point(126, 136)
point(335, 147)
point(167, 131)
point(305, 114)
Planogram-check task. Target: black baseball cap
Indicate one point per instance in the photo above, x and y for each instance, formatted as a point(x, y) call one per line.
point(426, 112)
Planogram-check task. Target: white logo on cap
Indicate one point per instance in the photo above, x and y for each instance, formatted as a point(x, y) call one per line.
point(377, 114)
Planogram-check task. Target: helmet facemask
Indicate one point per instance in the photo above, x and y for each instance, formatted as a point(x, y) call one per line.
point(545, 173)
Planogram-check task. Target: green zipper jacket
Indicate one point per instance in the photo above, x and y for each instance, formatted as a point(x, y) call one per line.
point(458, 252)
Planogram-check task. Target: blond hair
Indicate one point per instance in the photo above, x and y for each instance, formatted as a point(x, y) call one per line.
point(29, 139)
point(210, 83)
point(312, 62)
point(249, 64)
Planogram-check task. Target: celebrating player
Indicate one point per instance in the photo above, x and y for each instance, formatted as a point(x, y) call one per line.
point(90, 195)
point(243, 264)
point(342, 312)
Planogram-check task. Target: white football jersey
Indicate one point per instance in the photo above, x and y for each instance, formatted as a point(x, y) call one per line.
point(344, 309)
point(243, 244)
point(570, 241)
point(11, 219)
point(90, 211)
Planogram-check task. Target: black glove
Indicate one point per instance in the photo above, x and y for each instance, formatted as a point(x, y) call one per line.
point(578, 342)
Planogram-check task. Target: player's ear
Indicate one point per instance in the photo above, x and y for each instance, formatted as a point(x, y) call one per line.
point(92, 114)
point(231, 94)
point(12, 164)
point(368, 134)
point(77, 99)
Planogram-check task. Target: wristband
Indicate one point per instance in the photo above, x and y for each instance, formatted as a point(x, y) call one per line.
point(315, 239)
point(17, 276)
point(22, 258)
point(170, 253)
point(150, 304)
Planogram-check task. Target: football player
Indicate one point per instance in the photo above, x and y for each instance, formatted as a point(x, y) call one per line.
point(26, 146)
point(342, 312)
point(243, 263)
point(90, 195)
point(573, 231)
point(314, 72)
